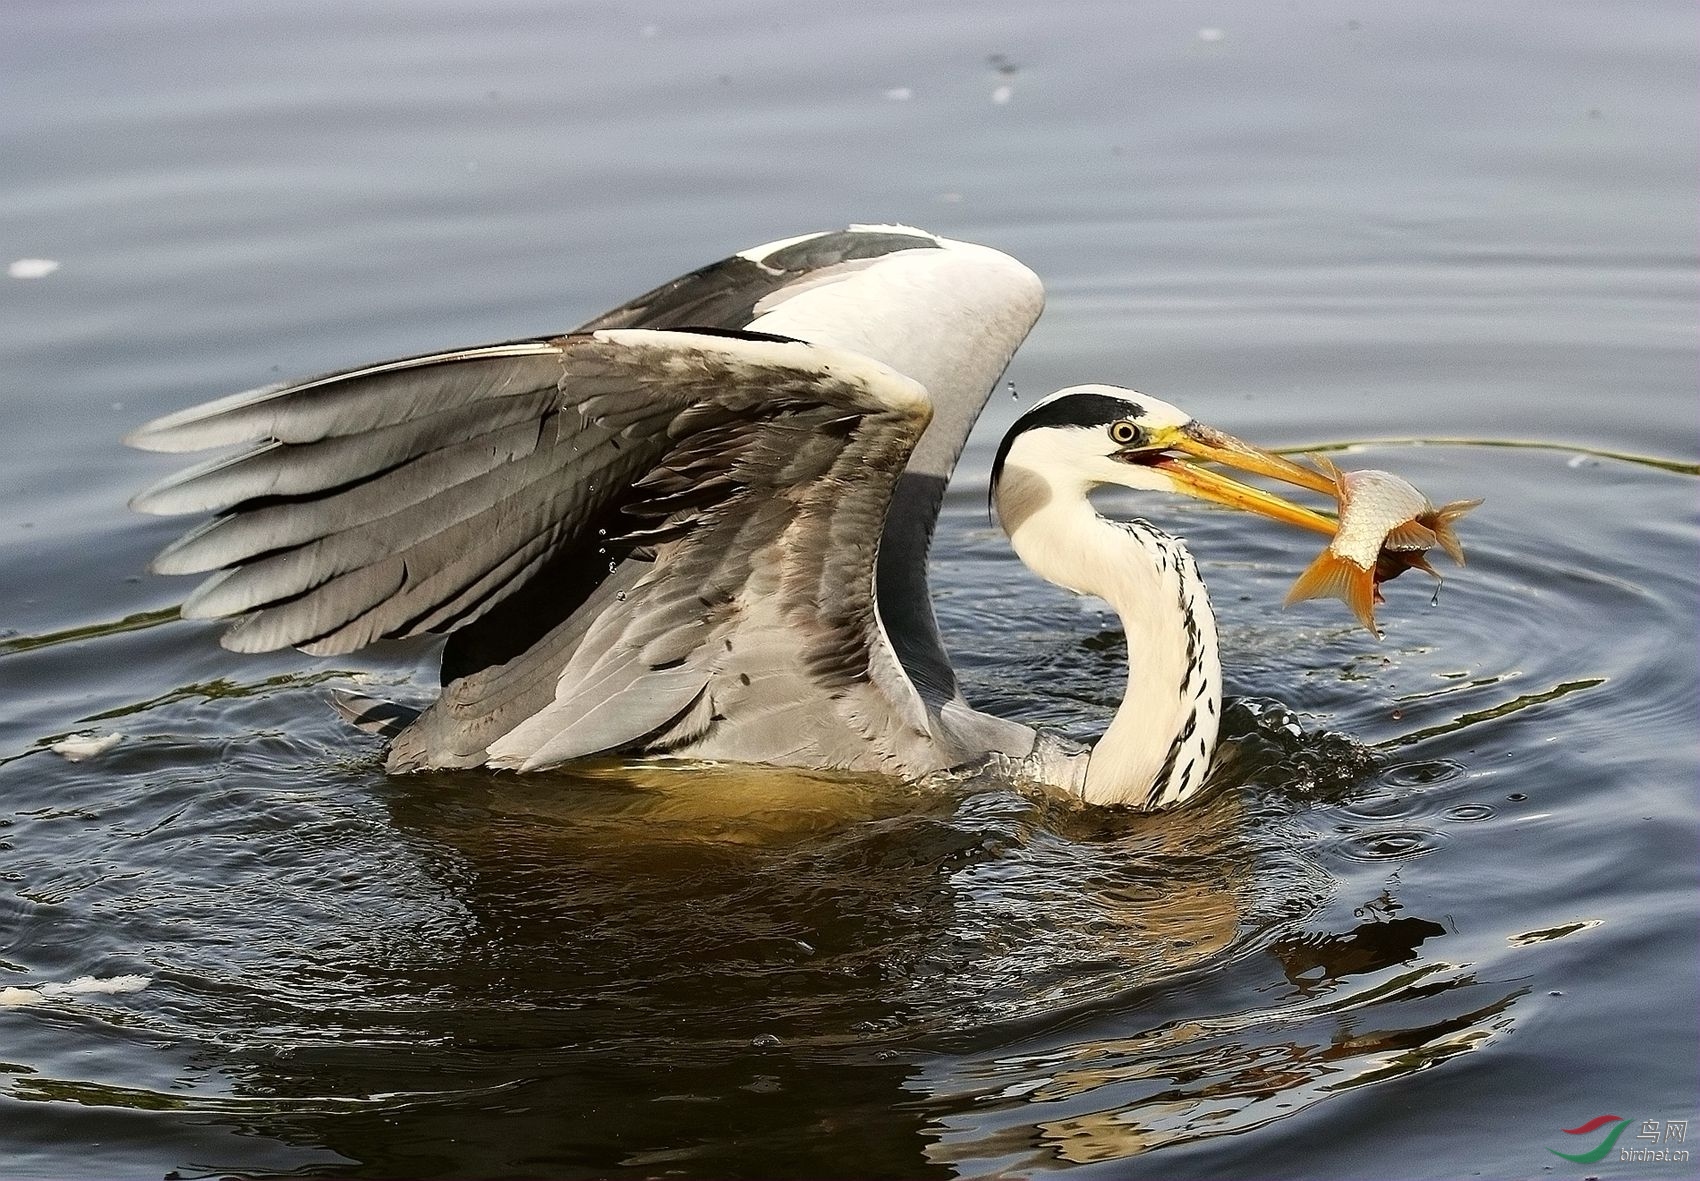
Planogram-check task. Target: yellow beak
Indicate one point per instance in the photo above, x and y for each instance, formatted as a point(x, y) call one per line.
point(1205, 443)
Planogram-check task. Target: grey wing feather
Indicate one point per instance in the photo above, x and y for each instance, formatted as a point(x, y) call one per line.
point(282, 469)
point(733, 292)
point(351, 402)
point(749, 477)
point(383, 718)
point(792, 453)
point(467, 492)
point(455, 506)
point(494, 666)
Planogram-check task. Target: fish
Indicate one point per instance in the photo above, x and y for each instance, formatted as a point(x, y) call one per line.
point(1387, 527)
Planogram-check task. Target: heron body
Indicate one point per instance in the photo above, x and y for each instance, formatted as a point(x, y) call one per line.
point(697, 527)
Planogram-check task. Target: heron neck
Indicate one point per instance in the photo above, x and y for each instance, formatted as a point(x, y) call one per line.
point(1158, 746)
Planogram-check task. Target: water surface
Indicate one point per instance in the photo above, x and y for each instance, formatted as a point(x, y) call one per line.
point(1440, 901)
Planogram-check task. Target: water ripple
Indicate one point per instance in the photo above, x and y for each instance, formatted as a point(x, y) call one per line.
point(1421, 773)
point(1391, 844)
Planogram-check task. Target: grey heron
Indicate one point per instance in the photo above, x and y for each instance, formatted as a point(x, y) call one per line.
point(697, 526)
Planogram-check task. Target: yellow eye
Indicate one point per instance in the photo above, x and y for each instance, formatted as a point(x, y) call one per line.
point(1123, 432)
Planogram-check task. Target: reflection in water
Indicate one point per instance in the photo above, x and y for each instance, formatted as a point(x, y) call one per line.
point(760, 963)
point(10, 644)
point(1527, 938)
point(1495, 712)
point(1312, 962)
point(1192, 1079)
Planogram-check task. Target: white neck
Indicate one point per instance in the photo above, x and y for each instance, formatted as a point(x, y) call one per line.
point(1158, 747)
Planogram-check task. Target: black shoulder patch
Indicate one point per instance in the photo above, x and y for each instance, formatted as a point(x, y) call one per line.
point(721, 295)
point(823, 250)
point(724, 294)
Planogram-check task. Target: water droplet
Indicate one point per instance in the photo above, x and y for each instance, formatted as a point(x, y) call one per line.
point(621, 596)
point(765, 1041)
point(1517, 797)
point(612, 565)
point(1014, 394)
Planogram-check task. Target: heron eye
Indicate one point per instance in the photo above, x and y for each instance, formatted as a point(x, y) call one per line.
point(1124, 432)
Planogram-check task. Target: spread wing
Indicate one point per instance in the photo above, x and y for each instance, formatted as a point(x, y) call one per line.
point(703, 510)
point(460, 492)
point(948, 314)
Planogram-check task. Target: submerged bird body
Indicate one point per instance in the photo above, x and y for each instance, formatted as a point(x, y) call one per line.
point(697, 526)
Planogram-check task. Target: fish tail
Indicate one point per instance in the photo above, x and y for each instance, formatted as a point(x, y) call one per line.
point(1331, 576)
point(1442, 526)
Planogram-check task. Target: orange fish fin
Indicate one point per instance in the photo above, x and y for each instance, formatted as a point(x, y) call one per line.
point(1410, 536)
point(1326, 466)
point(1442, 526)
point(1334, 577)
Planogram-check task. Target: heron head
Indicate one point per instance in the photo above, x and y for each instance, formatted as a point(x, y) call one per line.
point(1087, 436)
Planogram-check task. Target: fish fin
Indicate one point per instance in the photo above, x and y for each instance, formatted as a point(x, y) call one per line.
point(1420, 562)
point(1331, 576)
point(1442, 526)
point(1410, 536)
point(1328, 468)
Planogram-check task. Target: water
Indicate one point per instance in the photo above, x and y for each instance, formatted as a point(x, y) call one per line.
point(1451, 917)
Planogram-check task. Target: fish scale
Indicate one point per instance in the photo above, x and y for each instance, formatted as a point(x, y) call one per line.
point(1372, 505)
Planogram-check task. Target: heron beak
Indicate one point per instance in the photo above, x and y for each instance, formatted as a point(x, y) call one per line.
point(1196, 441)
